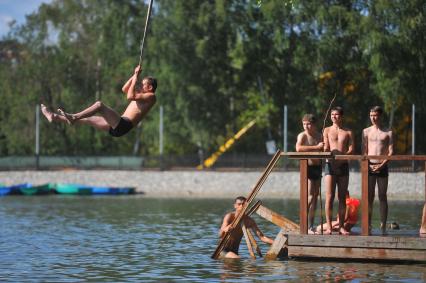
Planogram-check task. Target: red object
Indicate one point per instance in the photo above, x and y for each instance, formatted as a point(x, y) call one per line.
point(352, 204)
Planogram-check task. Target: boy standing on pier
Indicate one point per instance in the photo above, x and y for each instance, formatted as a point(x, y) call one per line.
point(376, 140)
point(231, 250)
point(310, 140)
point(338, 140)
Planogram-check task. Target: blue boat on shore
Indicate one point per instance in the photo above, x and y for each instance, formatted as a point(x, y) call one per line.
point(112, 191)
point(63, 188)
point(32, 190)
point(78, 189)
point(14, 189)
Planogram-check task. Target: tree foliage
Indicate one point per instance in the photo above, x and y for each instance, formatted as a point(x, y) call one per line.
point(219, 65)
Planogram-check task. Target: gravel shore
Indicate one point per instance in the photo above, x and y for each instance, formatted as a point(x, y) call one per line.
point(208, 184)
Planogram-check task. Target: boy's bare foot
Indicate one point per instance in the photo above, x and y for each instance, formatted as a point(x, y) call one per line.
point(48, 114)
point(422, 232)
point(68, 117)
point(342, 231)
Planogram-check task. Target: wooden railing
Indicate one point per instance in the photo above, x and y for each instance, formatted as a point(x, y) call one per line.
point(303, 163)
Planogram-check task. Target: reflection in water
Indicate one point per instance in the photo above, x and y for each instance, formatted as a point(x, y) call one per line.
point(133, 239)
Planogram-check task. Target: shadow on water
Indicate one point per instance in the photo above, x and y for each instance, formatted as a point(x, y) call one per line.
point(133, 238)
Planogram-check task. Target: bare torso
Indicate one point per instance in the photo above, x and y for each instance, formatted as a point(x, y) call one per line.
point(377, 141)
point(311, 140)
point(338, 141)
point(237, 234)
point(137, 109)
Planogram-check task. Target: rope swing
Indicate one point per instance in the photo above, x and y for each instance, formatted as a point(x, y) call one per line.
point(145, 30)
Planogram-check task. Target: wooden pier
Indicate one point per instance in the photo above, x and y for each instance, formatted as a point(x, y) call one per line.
point(293, 240)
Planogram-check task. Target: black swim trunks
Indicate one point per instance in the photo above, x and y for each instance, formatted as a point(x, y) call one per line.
point(225, 251)
point(123, 127)
point(314, 172)
point(230, 250)
point(342, 170)
point(383, 172)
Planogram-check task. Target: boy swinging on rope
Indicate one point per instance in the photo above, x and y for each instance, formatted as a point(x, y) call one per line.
point(141, 98)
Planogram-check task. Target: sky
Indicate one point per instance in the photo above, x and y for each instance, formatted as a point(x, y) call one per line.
point(16, 10)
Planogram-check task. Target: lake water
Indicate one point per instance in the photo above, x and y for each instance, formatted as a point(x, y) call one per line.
point(133, 239)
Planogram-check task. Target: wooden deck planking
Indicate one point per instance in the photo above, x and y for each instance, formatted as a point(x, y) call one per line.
point(357, 253)
point(387, 242)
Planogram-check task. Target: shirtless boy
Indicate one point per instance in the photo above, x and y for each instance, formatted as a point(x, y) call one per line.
point(376, 140)
point(231, 250)
point(141, 101)
point(338, 140)
point(311, 140)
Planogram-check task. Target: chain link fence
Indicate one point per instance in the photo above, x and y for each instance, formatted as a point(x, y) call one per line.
point(228, 162)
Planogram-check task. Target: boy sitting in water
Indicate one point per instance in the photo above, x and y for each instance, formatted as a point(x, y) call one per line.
point(231, 250)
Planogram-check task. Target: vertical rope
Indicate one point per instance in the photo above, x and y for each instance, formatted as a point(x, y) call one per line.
point(145, 31)
point(322, 133)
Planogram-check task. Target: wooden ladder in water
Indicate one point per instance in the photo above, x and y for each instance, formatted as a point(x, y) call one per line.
point(239, 218)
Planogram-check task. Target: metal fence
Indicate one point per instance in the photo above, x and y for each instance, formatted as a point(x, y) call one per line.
point(227, 162)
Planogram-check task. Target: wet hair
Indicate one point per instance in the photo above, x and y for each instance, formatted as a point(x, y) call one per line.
point(377, 109)
point(240, 198)
point(339, 109)
point(152, 81)
point(310, 118)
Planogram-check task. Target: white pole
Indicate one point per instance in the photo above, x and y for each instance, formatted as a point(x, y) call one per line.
point(37, 135)
point(161, 130)
point(285, 129)
point(413, 135)
point(413, 131)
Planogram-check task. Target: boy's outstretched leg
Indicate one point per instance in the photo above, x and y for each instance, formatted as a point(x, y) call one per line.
point(97, 122)
point(110, 116)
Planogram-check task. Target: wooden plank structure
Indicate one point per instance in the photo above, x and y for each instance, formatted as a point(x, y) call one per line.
point(293, 239)
point(364, 247)
point(357, 247)
point(239, 218)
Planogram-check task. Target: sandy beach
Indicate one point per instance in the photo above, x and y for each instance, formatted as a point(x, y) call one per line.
point(208, 184)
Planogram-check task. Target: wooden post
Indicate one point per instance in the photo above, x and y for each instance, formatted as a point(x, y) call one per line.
point(254, 243)
point(279, 243)
point(364, 198)
point(303, 196)
point(249, 244)
point(277, 219)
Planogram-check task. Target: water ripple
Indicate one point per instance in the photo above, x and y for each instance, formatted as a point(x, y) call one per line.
point(128, 239)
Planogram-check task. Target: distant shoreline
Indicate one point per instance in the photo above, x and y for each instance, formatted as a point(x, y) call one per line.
point(209, 184)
